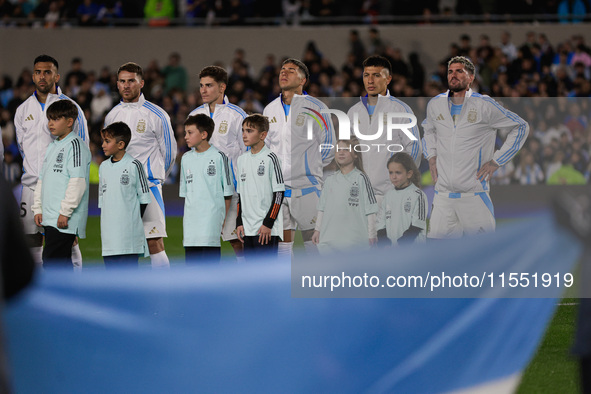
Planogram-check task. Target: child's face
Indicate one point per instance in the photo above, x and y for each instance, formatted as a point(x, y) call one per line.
point(111, 146)
point(398, 175)
point(251, 136)
point(194, 137)
point(343, 157)
point(60, 127)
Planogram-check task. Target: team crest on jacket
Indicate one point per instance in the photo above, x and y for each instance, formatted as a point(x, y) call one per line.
point(141, 126)
point(472, 115)
point(407, 206)
point(60, 157)
point(300, 120)
point(125, 178)
point(188, 176)
point(354, 195)
point(243, 177)
point(261, 170)
point(211, 168)
point(223, 127)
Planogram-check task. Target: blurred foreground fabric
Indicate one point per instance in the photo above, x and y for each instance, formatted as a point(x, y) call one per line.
point(236, 328)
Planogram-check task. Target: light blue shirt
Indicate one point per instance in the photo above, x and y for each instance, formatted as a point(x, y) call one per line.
point(206, 179)
point(65, 159)
point(123, 186)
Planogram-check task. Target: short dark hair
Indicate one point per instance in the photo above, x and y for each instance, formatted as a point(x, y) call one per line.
point(463, 60)
point(202, 122)
point(303, 68)
point(46, 59)
point(62, 109)
point(219, 74)
point(378, 61)
point(132, 68)
point(118, 130)
point(258, 121)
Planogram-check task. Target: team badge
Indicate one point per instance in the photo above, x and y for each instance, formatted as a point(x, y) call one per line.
point(104, 189)
point(125, 178)
point(472, 115)
point(354, 195)
point(188, 176)
point(388, 214)
point(211, 168)
point(300, 120)
point(223, 127)
point(407, 206)
point(243, 177)
point(60, 157)
point(141, 126)
point(261, 170)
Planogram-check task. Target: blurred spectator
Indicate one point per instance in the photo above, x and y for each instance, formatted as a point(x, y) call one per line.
point(76, 72)
point(87, 13)
point(109, 12)
point(528, 172)
point(376, 45)
point(507, 46)
point(159, 12)
point(175, 75)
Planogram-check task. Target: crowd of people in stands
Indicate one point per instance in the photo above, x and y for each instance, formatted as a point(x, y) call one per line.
point(54, 13)
point(548, 84)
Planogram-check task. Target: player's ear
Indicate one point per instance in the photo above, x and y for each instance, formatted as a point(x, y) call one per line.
point(70, 122)
point(223, 87)
point(57, 78)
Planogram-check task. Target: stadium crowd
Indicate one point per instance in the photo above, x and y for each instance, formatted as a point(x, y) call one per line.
point(54, 13)
point(546, 83)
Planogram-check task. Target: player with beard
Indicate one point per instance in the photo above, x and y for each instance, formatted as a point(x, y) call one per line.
point(153, 144)
point(33, 138)
point(460, 132)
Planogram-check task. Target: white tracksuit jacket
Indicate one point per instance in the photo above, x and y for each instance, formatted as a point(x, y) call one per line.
point(33, 135)
point(374, 160)
point(302, 160)
point(153, 142)
point(463, 148)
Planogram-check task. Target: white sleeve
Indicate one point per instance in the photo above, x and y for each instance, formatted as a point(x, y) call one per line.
point(37, 207)
point(319, 220)
point(503, 118)
point(371, 226)
point(166, 141)
point(430, 136)
point(74, 193)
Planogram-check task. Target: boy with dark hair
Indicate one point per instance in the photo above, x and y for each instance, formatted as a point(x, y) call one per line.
point(123, 197)
point(227, 135)
point(61, 193)
point(206, 185)
point(259, 224)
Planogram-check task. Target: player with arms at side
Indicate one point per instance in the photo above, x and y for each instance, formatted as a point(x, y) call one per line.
point(227, 136)
point(152, 143)
point(33, 138)
point(460, 132)
point(302, 159)
point(372, 112)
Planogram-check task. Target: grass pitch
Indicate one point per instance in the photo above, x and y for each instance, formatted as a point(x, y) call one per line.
point(552, 370)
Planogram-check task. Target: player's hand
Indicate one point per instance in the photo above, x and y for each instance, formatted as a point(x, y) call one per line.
point(62, 221)
point(240, 233)
point(38, 219)
point(264, 235)
point(433, 168)
point(373, 241)
point(316, 237)
point(487, 170)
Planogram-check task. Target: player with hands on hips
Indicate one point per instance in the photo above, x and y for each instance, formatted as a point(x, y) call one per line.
point(459, 142)
point(347, 208)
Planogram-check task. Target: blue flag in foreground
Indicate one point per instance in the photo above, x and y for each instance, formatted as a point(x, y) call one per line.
point(236, 328)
